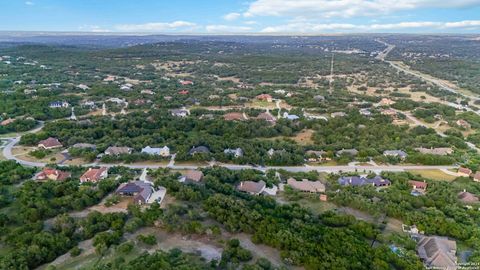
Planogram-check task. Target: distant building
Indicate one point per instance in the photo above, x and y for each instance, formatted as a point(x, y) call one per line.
point(115, 151)
point(365, 112)
point(395, 153)
point(337, 114)
point(290, 116)
point(266, 116)
point(464, 124)
point(59, 104)
point(306, 186)
point(94, 175)
point(84, 146)
point(234, 116)
point(139, 190)
point(147, 92)
point(264, 97)
point(385, 102)
point(437, 252)
point(441, 151)
point(193, 176)
point(186, 82)
point(348, 152)
point(49, 143)
point(418, 184)
point(161, 151)
point(180, 112)
point(183, 92)
point(52, 174)
point(467, 197)
point(83, 87)
point(7, 122)
point(199, 150)
point(462, 171)
point(237, 152)
point(251, 187)
point(377, 181)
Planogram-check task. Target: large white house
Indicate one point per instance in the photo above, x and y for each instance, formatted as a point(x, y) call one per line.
point(160, 151)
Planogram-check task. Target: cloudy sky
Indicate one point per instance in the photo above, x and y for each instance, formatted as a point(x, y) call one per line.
point(242, 16)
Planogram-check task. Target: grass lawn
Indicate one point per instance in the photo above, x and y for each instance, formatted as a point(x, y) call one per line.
point(434, 175)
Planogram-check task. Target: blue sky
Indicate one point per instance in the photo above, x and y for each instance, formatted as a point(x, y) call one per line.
point(242, 16)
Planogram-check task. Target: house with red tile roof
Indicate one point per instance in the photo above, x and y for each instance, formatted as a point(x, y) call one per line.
point(462, 171)
point(264, 97)
point(94, 175)
point(183, 92)
point(266, 116)
point(234, 116)
point(476, 177)
point(418, 184)
point(49, 143)
point(186, 82)
point(52, 174)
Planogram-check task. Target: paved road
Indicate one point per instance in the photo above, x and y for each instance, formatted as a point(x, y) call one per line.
point(7, 152)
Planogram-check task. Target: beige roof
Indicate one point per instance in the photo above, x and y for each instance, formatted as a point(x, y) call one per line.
point(252, 187)
point(193, 175)
point(441, 151)
point(438, 251)
point(306, 185)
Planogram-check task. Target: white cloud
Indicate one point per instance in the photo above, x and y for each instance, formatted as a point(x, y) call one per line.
point(29, 3)
point(93, 28)
point(345, 8)
point(232, 16)
point(157, 27)
point(227, 29)
point(250, 22)
point(314, 28)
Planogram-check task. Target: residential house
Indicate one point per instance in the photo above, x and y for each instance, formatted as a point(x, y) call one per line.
point(7, 122)
point(464, 124)
point(437, 252)
point(422, 185)
point(85, 146)
point(186, 82)
point(140, 191)
point(467, 197)
point(83, 87)
point(290, 116)
point(316, 156)
point(251, 187)
point(271, 152)
point(234, 116)
point(52, 174)
point(418, 187)
point(377, 181)
point(385, 102)
point(441, 151)
point(348, 152)
point(306, 186)
point(389, 112)
point(199, 150)
point(49, 143)
point(365, 112)
point(236, 152)
point(147, 92)
point(94, 175)
point(267, 116)
point(337, 114)
point(115, 151)
point(160, 151)
point(59, 104)
point(395, 153)
point(180, 112)
point(183, 92)
point(466, 172)
point(264, 97)
point(319, 98)
point(193, 176)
